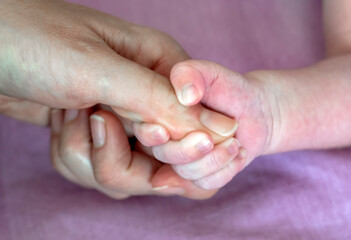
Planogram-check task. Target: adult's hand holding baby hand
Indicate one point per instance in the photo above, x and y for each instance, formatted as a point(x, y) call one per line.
point(68, 56)
point(62, 55)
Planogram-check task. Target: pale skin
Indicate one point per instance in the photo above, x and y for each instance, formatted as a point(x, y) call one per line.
point(208, 178)
point(62, 55)
point(277, 111)
point(55, 54)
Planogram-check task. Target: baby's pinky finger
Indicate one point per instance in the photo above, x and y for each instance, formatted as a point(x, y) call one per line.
point(223, 176)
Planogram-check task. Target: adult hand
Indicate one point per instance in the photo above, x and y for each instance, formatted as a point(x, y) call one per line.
point(62, 55)
point(65, 55)
point(103, 159)
point(23, 110)
point(68, 56)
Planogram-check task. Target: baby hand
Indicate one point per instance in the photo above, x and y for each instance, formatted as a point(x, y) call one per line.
point(229, 93)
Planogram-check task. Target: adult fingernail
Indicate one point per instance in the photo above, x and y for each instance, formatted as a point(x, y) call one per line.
point(56, 120)
point(242, 153)
point(98, 130)
point(70, 115)
point(189, 94)
point(204, 145)
point(218, 123)
point(169, 190)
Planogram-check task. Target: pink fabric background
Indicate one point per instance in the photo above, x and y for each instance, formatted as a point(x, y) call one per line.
point(297, 195)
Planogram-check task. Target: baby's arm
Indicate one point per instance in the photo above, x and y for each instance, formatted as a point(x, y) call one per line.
point(311, 107)
point(315, 102)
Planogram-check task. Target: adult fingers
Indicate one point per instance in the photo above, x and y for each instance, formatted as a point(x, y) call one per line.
point(75, 151)
point(137, 43)
point(24, 110)
point(115, 165)
point(75, 147)
point(56, 126)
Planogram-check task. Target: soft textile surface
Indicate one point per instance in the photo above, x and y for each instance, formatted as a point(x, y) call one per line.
point(298, 195)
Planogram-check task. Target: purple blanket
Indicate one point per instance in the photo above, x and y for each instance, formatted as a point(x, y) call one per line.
point(297, 195)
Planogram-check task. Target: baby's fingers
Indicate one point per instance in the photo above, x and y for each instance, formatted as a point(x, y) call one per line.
point(211, 163)
point(191, 148)
point(150, 134)
point(188, 83)
point(166, 181)
point(224, 175)
point(197, 81)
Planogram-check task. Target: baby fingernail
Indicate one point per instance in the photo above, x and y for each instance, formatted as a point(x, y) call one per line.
point(70, 115)
point(242, 153)
point(189, 94)
point(56, 120)
point(159, 134)
point(204, 145)
point(98, 130)
point(218, 123)
point(242, 157)
point(233, 147)
point(169, 190)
